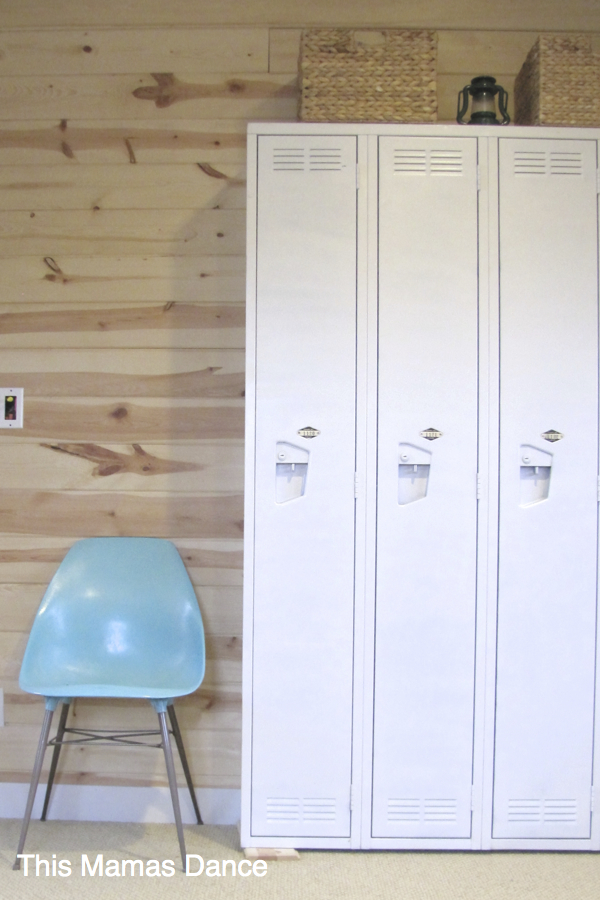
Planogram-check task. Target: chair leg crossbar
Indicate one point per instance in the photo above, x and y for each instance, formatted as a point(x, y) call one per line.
point(108, 737)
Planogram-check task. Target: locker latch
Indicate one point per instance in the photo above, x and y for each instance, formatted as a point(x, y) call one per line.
point(414, 464)
point(535, 468)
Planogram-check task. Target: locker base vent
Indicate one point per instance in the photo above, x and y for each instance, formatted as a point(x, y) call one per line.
point(311, 809)
point(421, 810)
point(537, 810)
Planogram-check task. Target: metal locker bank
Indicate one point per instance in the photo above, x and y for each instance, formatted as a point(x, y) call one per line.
point(420, 609)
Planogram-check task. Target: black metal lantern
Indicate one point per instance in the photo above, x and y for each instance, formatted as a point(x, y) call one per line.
point(483, 90)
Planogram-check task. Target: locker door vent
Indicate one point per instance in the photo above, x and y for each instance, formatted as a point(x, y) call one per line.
point(524, 810)
point(439, 811)
point(404, 810)
point(530, 162)
point(325, 159)
point(410, 162)
point(283, 809)
point(560, 810)
point(292, 809)
point(320, 159)
point(428, 162)
point(319, 810)
point(288, 159)
point(445, 162)
point(537, 810)
point(539, 162)
point(566, 163)
point(415, 810)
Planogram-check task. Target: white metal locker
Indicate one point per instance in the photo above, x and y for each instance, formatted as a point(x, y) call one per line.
point(304, 486)
point(548, 489)
point(426, 488)
point(385, 380)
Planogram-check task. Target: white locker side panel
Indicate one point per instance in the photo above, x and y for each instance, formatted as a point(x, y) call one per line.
point(304, 487)
point(427, 489)
point(546, 641)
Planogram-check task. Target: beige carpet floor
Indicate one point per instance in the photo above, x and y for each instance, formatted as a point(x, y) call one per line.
point(318, 875)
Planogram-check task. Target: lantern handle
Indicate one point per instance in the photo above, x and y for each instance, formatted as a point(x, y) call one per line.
point(462, 107)
point(502, 101)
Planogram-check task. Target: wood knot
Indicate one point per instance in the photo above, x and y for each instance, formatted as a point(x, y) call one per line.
point(87, 49)
point(236, 87)
point(119, 412)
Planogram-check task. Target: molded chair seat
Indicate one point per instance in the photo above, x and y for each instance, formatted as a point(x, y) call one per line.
point(119, 619)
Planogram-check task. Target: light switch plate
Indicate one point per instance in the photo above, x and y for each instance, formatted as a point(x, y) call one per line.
point(11, 407)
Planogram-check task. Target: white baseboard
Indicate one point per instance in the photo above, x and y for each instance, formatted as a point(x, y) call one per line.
point(91, 803)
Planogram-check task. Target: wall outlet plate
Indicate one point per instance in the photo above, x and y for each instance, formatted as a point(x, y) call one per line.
point(11, 407)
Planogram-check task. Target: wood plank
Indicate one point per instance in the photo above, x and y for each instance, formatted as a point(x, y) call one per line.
point(483, 52)
point(124, 421)
point(545, 15)
point(126, 779)
point(184, 325)
point(119, 318)
point(209, 753)
point(195, 467)
point(51, 373)
point(284, 50)
point(185, 93)
point(27, 559)
point(127, 279)
point(212, 707)
point(112, 232)
point(208, 382)
point(66, 142)
point(124, 186)
point(69, 51)
point(221, 608)
point(128, 513)
point(450, 85)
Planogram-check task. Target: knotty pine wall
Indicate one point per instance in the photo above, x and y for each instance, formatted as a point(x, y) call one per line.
point(122, 190)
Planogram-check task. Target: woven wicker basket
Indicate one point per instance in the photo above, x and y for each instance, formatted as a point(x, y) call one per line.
point(368, 76)
point(558, 83)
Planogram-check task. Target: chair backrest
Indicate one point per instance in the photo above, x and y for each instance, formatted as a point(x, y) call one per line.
point(119, 619)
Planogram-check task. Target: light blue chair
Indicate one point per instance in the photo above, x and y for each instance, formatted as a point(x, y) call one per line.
point(119, 619)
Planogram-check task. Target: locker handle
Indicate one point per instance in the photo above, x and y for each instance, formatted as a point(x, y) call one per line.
point(414, 465)
point(535, 468)
point(291, 471)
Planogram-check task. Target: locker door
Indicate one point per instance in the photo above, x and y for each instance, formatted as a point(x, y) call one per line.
point(427, 488)
point(304, 483)
point(548, 489)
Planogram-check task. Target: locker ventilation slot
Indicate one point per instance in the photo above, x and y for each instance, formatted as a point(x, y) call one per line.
point(542, 811)
point(320, 159)
point(283, 810)
point(445, 162)
point(524, 810)
point(566, 164)
point(428, 810)
point(288, 159)
point(410, 162)
point(319, 810)
point(530, 162)
point(325, 159)
point(428, 162)
point(404, 810)
point(311, 809)
point(560, 810)
point(539, 162)
point(439, 811)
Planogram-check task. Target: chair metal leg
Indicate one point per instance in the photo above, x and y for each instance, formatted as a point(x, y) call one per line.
point(166, 742)
point(62, 722)
point(35, 777)
point(184, 762)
